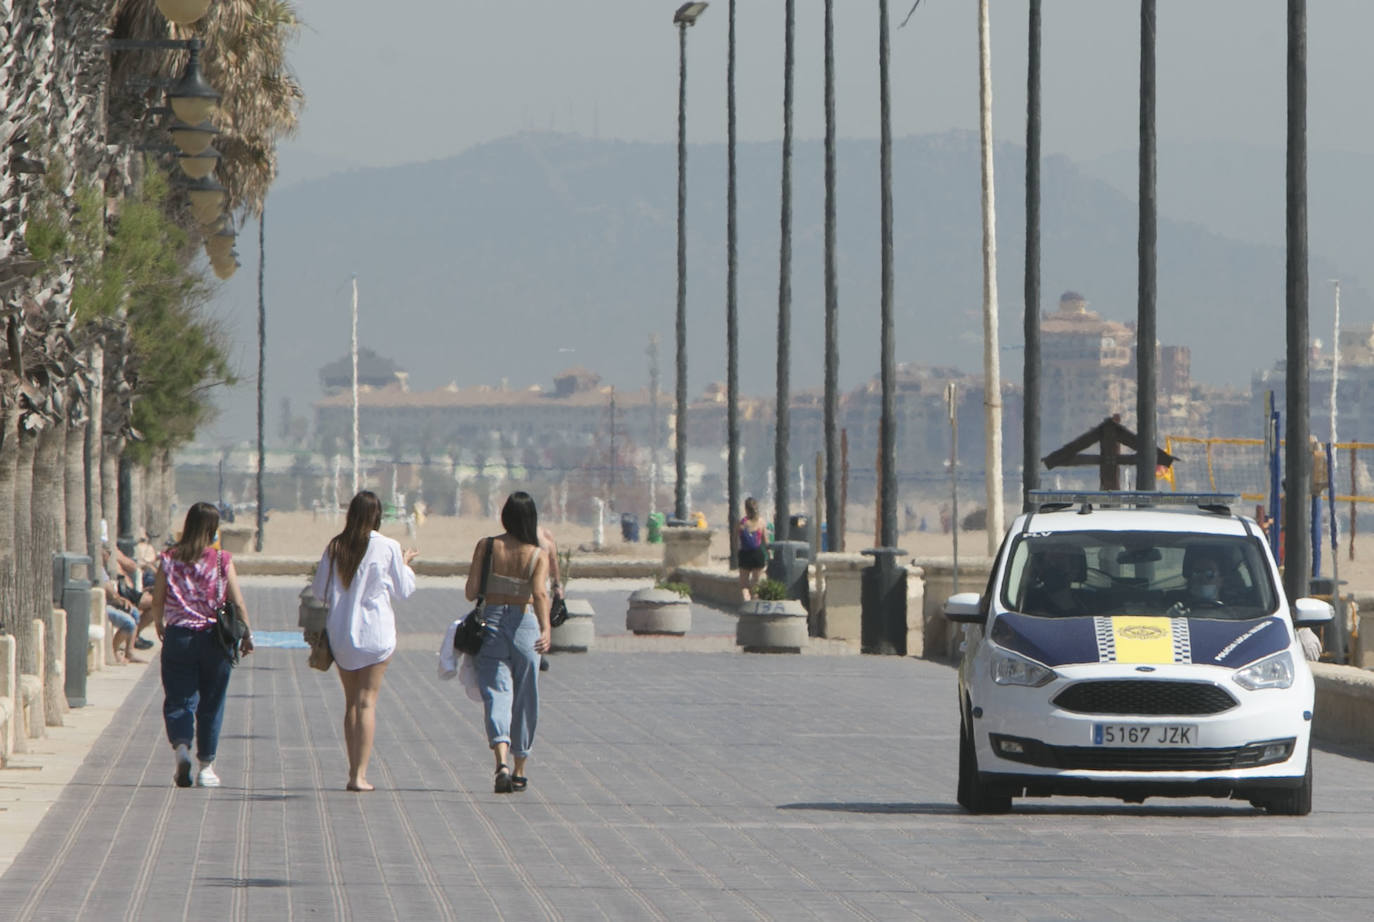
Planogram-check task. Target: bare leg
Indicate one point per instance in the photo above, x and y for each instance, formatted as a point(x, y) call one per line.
point(502, 753)
point(361, 688)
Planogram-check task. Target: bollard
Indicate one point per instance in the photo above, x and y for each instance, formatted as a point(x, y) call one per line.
point(71, 591)
point(883, 604)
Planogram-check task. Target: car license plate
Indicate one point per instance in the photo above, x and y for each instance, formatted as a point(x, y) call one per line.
point(1147, 735)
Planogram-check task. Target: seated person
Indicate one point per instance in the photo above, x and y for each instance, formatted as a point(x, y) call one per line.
point(1053, 570)
point(1202, 570)
point(123, 574)
point(120, 612)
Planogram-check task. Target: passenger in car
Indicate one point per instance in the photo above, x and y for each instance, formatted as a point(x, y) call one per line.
point(1053, 571)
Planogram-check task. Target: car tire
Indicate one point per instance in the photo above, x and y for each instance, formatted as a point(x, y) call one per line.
point(1296, 801)
point(975, 795)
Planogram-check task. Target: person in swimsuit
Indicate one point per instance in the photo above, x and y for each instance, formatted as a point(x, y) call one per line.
point(508, 663)
point(360, 572)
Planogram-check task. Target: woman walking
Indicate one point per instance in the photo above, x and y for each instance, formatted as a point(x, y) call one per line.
point(360, 571)
point(753, 549)
point(508, 663)
point(193, 578)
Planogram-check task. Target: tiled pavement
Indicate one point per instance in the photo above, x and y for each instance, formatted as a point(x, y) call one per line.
point(664, 785)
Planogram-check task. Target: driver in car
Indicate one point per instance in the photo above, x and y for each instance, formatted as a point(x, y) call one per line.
point(1203, 572)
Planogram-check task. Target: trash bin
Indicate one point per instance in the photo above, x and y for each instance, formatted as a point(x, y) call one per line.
point(655, 535)
point(788, 565)
point(799, 528)
point(71, 591)
point(629, 526)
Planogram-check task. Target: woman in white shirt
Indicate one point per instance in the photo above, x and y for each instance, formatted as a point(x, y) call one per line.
point(359, 573)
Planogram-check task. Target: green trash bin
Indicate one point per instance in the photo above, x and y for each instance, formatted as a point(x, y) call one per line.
point(655, 536)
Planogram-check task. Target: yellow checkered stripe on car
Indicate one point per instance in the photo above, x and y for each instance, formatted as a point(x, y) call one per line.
point(1142, 639)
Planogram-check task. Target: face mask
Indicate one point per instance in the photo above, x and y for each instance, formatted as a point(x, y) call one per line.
point(1208, 591)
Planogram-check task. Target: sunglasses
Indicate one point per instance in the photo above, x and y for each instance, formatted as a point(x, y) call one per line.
point(1209, 573)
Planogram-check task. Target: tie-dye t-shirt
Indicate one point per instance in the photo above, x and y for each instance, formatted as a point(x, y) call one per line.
point(195, 590)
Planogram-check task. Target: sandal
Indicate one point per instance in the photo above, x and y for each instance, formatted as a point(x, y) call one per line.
point(503, 779)
point(518, 783)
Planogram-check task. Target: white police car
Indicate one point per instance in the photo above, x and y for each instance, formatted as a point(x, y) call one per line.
point(1128, 647)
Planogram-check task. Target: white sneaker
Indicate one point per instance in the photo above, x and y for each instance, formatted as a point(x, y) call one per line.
point(182, 775)
point(207, 778)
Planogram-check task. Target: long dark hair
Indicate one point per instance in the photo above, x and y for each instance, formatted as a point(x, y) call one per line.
point(520, 518)
point(347, 548)
point(202, 521)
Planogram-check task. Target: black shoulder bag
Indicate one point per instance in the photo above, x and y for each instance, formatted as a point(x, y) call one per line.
point(468, 637)
point(229, 623)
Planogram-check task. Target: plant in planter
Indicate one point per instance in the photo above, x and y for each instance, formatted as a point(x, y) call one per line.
point(771, 590)
point(681, 589)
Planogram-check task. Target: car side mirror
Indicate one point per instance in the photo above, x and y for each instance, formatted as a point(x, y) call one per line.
point(1312, 613)
point(965, 608)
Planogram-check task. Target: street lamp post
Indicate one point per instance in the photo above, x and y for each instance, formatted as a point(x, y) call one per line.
point(731, 306)
point(685, 16)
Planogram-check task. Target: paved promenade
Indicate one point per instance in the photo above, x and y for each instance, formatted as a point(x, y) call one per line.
point(665, 784)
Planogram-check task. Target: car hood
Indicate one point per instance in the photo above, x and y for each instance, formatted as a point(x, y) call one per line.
point(1139, 639)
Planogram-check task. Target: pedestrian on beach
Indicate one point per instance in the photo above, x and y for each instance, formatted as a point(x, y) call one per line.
point(753, 549)
point(508, 663)
point(193, 579)
point(359, 573)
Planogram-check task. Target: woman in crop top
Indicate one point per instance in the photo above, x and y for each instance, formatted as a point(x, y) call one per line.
point(508, 663)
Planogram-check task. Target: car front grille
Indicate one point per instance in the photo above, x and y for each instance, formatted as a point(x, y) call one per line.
point(1101, 758)
point(1145, 697)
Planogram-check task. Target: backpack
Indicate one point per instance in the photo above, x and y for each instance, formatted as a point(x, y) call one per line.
point(749, 539)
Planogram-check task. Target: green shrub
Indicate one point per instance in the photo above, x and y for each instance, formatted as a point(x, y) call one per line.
point(681, 589)
point(771, 590)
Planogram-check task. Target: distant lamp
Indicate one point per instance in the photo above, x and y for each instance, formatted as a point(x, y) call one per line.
point(183, 12)
point(687, 13)
point(192, 138)
point(207, 199)
point(201, 165)
point(191, 98)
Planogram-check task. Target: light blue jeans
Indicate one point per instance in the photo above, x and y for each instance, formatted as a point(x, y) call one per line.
point(508, 670)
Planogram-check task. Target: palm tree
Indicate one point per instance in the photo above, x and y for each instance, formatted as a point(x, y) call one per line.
point(833, 515)
point(1297, 462)
point(1030, 438)
point(1147, 376)
point(992, 379)
point(781, 431)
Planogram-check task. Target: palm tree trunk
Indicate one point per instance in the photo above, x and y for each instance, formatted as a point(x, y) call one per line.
point(731, 305)
point(93, 460)
point(1030, 433)
point(992, 376)
point(74, 458)
point(110, 450)
point(49, 522)
point(832, 302)
point(10, 604)
point(1297, 462)
point(782, 432)
point(1147, 376)
point(24, 559)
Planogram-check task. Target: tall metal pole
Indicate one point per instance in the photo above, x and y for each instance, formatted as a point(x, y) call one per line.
point(832, 303)
point(887, 441)
point(262, 373)
point(1030, 432)
point(1297, 455)
point(781, 466)
point(952, 399)
point(731, 305)
point(1147, 375)
point(653, 422)
point(1333, 454)
point(353, 353)
point(680, 437)
point(992, 374)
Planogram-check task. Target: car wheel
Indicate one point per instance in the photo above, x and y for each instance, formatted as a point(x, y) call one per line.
point(974, 795)
point(1295, 802)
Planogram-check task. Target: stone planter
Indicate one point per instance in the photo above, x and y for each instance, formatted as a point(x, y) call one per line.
point(771, 627)
point(578, 633)
point(686, 547)
point(658, 611)
point(236, 539)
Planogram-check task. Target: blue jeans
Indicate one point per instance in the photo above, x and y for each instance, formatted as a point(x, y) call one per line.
point(508, 670)
point(195, 678)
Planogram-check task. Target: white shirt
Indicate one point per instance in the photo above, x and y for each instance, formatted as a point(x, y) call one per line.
point(361, 624)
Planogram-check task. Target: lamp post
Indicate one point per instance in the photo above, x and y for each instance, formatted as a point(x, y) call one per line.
point(685, 16)
point(731, 305)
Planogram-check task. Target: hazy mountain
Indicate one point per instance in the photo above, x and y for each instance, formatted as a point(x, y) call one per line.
point(524, 256)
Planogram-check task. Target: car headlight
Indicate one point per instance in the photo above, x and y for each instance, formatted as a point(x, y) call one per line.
point(1011, 669)
point(1271, 672)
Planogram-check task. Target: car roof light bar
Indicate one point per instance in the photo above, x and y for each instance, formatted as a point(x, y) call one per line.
point(1060, 499)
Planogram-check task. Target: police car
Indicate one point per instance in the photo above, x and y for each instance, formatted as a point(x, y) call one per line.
point(1134, 645)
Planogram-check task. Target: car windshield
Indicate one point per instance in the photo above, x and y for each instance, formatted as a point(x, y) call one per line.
point(1062, 574)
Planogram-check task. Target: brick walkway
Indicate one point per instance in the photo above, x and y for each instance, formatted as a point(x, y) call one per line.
point(664, 785)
